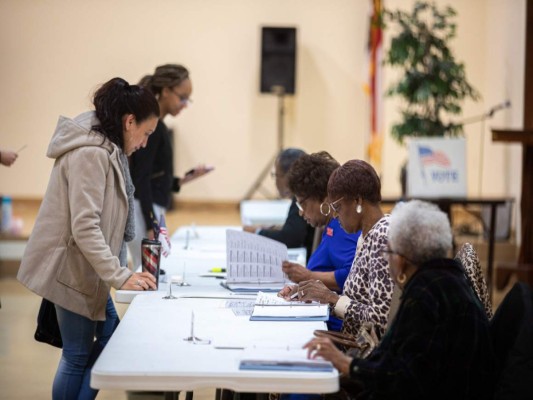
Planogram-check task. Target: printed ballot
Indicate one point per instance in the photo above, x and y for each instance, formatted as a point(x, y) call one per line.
point(254, 262)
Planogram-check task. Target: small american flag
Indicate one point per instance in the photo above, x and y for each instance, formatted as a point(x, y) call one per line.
point(163, 237)
point(430, 157)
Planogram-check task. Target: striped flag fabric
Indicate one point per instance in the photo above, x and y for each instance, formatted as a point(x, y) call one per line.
point(163, 237)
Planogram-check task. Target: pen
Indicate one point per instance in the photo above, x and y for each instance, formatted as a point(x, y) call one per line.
point(22, 148)
point(218, 269)
point(295, 294)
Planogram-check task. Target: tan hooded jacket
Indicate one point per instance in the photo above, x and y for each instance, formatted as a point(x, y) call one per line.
point(72, 255)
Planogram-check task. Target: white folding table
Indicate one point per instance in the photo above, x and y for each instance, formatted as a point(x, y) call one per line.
point(195, 251)
point(147, 351)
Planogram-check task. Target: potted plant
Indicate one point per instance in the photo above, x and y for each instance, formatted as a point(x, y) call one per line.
point(433, 83)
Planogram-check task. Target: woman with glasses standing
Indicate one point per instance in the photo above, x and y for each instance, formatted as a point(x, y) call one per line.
point(330, 263)
point(366, 297)
point(152, 168)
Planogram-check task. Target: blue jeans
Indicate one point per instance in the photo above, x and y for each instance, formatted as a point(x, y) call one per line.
point(80, 351)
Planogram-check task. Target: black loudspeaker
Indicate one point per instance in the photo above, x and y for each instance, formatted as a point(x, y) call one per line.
point(278, 59)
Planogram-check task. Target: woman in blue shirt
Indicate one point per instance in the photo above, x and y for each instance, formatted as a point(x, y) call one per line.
point(331, 261)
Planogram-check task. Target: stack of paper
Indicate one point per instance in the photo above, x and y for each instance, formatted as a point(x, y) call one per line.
point(270, 307)
point(254, 262)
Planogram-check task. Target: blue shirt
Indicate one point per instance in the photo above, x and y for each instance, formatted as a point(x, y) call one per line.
point(335, 253)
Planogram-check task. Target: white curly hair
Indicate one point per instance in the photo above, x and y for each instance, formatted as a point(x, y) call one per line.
point(419, 231)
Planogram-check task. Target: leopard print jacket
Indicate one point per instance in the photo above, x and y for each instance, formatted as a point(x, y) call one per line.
point(468, 258)
point(369, 285)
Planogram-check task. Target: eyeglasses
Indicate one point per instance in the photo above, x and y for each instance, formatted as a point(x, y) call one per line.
point(325, 207)
point(183, 99)
point(386, 254)
point(300, 204)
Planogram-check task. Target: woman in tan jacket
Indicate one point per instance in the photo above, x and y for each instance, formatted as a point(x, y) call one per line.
point(77, 251)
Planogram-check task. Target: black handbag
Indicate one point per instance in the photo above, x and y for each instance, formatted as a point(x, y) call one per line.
point(47, 326)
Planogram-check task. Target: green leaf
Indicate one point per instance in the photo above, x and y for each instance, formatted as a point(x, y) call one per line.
point(433, 83)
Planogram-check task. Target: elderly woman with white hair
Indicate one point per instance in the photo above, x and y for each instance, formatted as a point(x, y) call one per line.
point(438, 345)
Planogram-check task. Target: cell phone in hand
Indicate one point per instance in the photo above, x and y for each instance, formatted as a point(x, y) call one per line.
point(193, 170)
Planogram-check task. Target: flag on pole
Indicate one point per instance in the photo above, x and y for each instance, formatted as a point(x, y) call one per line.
point(163, 237)
point(375, 48)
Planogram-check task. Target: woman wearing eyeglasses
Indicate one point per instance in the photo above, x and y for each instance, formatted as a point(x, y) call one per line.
point(355, 189)
point(330, 263)
point(295, 232)
point(152, 168)
point(438, 345)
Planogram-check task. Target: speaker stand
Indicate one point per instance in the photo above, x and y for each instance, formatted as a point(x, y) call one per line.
point(279, 91)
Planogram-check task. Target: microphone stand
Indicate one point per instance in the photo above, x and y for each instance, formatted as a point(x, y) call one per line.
point(482, 118)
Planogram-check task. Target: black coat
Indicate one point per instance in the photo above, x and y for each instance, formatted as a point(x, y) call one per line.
point(438, 346)
point(295, 232)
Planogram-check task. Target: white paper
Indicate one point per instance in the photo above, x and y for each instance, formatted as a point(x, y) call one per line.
point(272, 299)
point(254, 259)
point(290, 311)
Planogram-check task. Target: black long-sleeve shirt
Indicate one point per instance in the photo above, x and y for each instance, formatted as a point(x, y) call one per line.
point(438, 346)
point(152, 172)
point(295, 232)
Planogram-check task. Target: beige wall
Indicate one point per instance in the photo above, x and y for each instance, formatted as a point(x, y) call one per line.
point(55, 52)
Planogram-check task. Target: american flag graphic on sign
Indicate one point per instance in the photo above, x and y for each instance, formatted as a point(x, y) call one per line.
point(430, 157)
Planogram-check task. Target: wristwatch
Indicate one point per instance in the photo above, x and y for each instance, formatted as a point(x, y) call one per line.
point(332, 306)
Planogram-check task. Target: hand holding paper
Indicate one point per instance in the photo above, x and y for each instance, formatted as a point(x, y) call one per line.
point(296, 272)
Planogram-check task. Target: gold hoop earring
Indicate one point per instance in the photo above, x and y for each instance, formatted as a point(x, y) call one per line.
point(359, 209)
point(401, 278)
point(325, 213)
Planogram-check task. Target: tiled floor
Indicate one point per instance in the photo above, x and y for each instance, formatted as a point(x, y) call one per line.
point(27, 367)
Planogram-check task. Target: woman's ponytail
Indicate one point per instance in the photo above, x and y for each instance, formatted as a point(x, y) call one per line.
point(116, 98)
